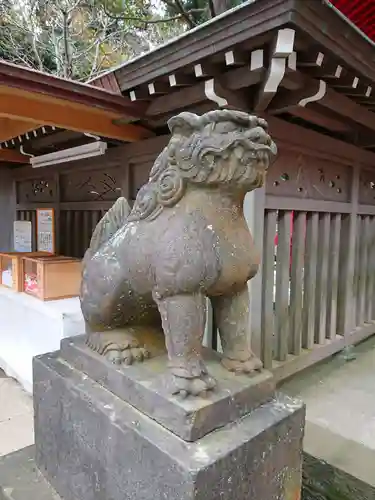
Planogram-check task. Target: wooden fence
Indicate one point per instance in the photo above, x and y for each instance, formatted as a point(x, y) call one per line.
point(314, 294)
point(314, 224)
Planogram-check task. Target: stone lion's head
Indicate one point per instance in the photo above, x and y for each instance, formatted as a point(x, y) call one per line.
point(220, 148)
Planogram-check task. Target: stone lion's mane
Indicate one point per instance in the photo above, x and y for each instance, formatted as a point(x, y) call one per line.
point(192, 155)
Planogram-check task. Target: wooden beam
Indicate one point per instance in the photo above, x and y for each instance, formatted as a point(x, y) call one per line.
point(298, 137)
point(158, 88)
point(55, 139)
point(217, 93)
point(49, 86)
point(12, 156)
point(9, 129)
point(36, 108)
point(327, 70)
point(321, 119)
point(286, 102)
point(347, 82)
point(314, 59)
point(326, 97)
point(180, 80)
point(235, 58)
point(231, 80)
point(282, 57)
point(205, 69)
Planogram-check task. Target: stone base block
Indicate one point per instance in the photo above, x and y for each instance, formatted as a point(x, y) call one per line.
point(91, 445)
point(146, 387)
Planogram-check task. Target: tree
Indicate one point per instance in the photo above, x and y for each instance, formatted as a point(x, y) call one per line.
point(199, 11)
point(79, 39)
point(71, 38)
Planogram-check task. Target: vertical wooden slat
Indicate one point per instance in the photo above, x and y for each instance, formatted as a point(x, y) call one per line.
point(296, 285)
point(363, 270)
point(371, 271)
point(68, 233)
point(345, 316)
point(77, 234)
point(33, 230)
point(95, 218)
point(357, 272)
point(322, 278)
point(57, 213)
point(282, 284)
point(125, 182)
point(86, 229)
point(333, 276)
point(311, 260)
point(253, 209)
point(268, 280)
point(62, 231)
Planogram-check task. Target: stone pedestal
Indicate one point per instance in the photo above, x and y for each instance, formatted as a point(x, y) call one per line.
point(107, 433)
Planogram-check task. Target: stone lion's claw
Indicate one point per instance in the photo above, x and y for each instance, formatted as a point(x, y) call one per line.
point(196, 386)
point(247, 366)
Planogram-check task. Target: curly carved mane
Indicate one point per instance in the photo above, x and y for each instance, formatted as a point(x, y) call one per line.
point(193, 154)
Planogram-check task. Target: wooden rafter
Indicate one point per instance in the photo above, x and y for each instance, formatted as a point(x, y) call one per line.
point(282, 59)
point(12, 156)
point(36, 109)
point(10, 128)
point(232, 80)
point(318, 91)
point(322, 118)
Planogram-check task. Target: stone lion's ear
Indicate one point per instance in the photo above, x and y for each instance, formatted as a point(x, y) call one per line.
point(184, 124)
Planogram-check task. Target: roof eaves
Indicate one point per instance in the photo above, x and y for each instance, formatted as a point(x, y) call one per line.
point(349, 22)
point(174, 40)
point(33, 81)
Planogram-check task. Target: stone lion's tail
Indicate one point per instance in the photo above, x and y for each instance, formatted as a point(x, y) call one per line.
point(112, 221)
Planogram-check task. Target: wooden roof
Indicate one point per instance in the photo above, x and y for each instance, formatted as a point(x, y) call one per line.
point(31, 100)
point(360, 12)
point(299, 59)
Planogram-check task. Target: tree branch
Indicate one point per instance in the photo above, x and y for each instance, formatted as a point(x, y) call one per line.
point(211, 8)
point(183, 15)
point(67, 65)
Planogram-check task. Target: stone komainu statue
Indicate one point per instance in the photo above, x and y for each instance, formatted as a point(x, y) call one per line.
point(185, 239)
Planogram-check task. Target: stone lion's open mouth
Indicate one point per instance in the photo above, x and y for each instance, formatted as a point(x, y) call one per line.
point(255, 148)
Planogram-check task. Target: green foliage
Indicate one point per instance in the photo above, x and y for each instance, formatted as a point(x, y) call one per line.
point(80, 38)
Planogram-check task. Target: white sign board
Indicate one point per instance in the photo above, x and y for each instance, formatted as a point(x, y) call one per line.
point(22, 236)
point(45, 224)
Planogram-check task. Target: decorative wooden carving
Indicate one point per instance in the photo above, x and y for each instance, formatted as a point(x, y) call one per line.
point(101, 185)
point(367, 187)
point(41, 190)
point(301, 176)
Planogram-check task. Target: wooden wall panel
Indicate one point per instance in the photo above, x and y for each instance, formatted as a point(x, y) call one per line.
point(97, 185)
point(81, 192)
point(7, 210)
point(367, 187)
point(39, 190)
point(296, 175)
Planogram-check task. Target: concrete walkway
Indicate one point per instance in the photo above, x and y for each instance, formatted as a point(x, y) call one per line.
point(16, 416)
point(340, 401)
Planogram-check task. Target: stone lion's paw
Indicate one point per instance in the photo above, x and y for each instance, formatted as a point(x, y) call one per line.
point(197, 386)
point(250, 365)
